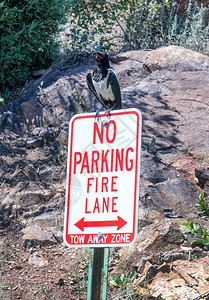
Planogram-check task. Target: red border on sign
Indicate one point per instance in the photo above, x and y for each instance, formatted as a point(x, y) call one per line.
point(86, 236)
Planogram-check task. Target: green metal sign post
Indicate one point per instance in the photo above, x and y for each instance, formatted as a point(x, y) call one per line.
point(98, 272)
point(102, 191)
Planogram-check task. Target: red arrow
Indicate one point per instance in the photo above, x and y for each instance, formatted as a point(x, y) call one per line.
point(119, 222)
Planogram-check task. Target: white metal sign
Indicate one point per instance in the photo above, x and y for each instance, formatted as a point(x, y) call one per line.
point(102, 187)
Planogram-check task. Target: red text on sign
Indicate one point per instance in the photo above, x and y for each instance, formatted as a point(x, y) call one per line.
point(100, 132)
point(104, 205)
point(102, 184)
point(103, 161)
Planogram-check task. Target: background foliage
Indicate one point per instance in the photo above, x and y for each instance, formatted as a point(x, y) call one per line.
point(137, 24)
point(29, 31)
point(27, 37)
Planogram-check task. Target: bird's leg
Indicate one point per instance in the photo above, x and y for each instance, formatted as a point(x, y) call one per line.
point(109, 109)
point(97, 115)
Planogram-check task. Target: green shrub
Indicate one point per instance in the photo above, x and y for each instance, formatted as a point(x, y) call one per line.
point(152, 25)
point(142, 24)
point(203, 205)
point(27, 37)
point(200, 233)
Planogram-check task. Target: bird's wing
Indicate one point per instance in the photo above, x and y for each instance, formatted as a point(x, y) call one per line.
point(90, 84)
point(113, 81)
point(92, 89)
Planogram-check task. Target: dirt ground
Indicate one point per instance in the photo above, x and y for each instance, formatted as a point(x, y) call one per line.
point(49, 272)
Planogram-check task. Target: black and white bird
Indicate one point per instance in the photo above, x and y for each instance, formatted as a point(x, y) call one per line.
point(103, 83)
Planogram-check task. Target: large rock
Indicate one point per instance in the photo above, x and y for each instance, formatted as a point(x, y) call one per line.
point(187, 280)
point(55, 98)
point(8, 120)
point(202, 175)
point(170, 87)
point(154, 238)
point(48, 219)
point(32, 113)
point(176, 59)
point(35, 235)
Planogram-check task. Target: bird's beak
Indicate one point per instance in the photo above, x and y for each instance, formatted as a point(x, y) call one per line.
point(98, 56)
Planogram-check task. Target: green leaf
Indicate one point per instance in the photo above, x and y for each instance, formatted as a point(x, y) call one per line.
point(1, 101)
point(113, 280)
point(122, 277)
point(189, 233)
point(206, 243)
point(185, 222)
point(197, 242)
point(194, 227)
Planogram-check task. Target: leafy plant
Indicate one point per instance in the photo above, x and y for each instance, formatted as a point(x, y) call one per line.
point(200, 233)
point(124, 284)
point(7, 92)
point(151, 148)
point(193, 30)
point(54, 159)
point(3, 286)
point(79, 280)
point(92, 25)
point(159, 297)
point(203, 205)
point(6, 255)
point(120, 280)
point(136, 25)
point(1, 101)
point(27, 37)
point(46, 293)
point(146, 214)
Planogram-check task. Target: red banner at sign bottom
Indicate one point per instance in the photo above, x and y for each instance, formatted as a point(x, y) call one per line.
point(107, 238)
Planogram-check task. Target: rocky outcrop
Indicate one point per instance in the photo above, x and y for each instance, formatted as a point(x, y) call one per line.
point(170, 87)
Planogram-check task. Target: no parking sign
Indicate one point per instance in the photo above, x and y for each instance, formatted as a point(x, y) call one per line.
point(102, 188)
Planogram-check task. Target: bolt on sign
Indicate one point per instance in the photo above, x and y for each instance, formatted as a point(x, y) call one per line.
point(102, 187)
